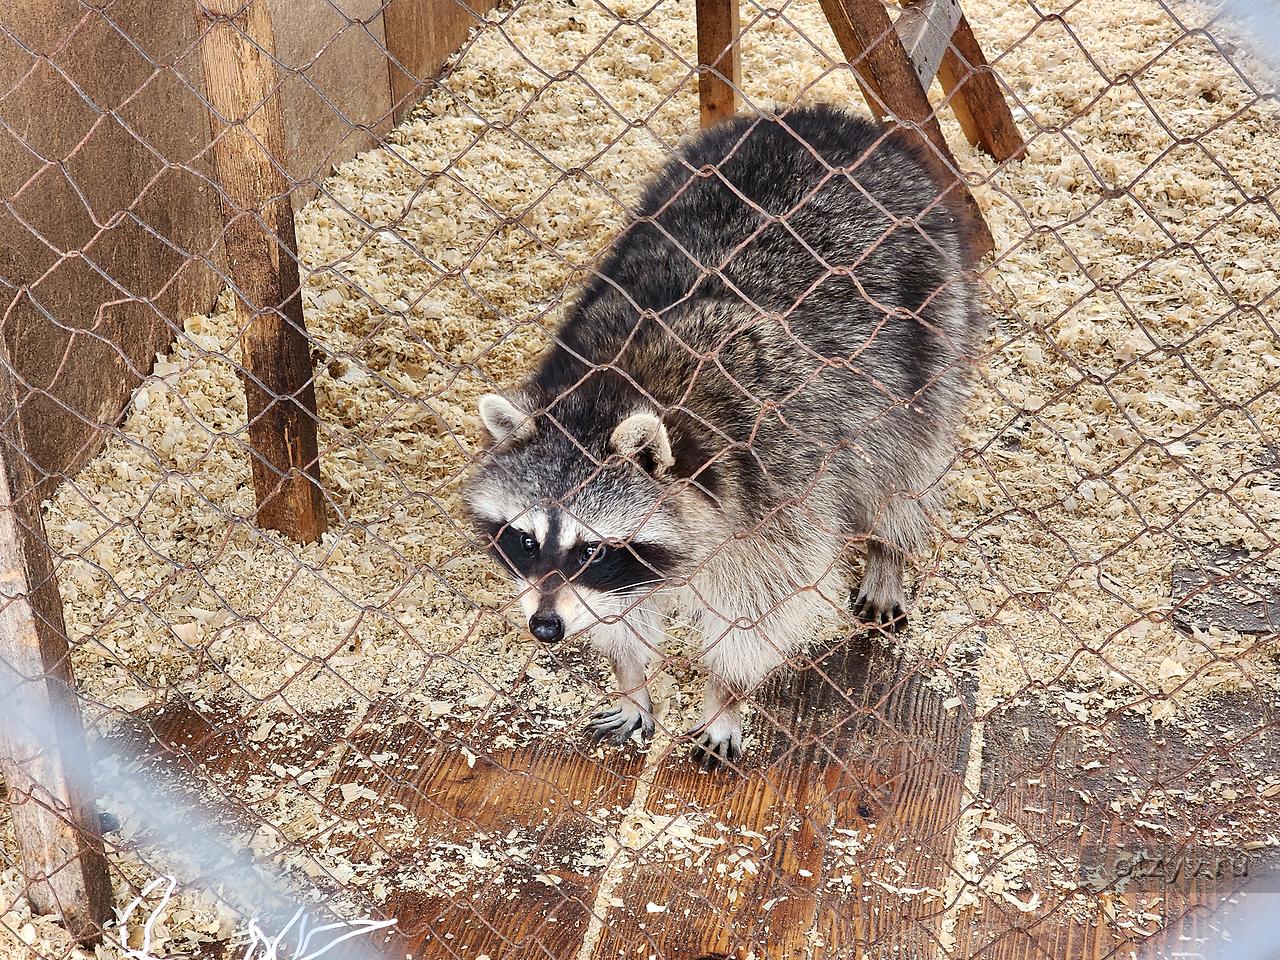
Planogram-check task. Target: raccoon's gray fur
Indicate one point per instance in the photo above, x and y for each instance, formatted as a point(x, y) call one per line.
point(764, 374)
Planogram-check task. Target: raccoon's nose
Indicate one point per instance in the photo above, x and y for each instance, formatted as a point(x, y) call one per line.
point(548, 629)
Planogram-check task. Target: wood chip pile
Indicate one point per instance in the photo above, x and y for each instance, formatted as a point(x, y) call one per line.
point(1125, 425)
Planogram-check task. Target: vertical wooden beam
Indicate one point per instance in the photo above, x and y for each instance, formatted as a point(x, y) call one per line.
point(242, 84)
point(976, 97)
point(893, 91)
point(719, 60)
point(46, 777)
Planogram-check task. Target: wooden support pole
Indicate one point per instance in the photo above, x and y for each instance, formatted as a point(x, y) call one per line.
point(893, 91)
point(976, 97)
point(719, 60)
point(47, 780)
point(242, 83)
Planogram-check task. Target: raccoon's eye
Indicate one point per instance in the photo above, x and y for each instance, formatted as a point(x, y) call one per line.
point(528, 544)
point(592, 553)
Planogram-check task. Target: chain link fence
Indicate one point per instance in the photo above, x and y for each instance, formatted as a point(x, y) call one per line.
point(318, 720)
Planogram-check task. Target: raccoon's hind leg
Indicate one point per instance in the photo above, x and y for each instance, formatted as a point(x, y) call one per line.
point(881, 599)
point(630, 648)
point(718, 737)
point(738, 661)
point(756, 612)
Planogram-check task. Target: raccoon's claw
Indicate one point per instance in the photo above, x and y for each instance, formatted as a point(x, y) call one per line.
point(709, 751)
point(890, 619)
point(717, 741)
point(617, 724)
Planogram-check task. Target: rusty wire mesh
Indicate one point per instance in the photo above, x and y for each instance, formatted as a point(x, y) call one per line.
point(1069, 752)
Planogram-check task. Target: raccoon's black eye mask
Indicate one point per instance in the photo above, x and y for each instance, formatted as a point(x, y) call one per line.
point(612, 567)
point(595, 565)
point(514, 549)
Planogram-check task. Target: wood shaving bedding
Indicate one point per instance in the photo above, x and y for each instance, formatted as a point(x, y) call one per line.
point(1120, 415)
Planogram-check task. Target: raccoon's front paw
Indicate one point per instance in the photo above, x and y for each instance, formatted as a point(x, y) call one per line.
point(717, 742)
point(883, 611)
point(617, 723)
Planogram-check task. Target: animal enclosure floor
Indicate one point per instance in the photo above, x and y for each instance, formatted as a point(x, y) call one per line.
point(841, 839)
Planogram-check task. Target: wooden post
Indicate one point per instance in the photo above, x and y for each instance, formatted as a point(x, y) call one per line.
point(719, 60)
point(47, 778)
point(976, 97)
point(893, 91)
point(241, 82)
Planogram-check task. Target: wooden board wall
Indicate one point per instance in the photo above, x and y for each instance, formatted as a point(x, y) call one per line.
point(337, 98)
point(107, 225)
point(95, 221)
point(421, 36)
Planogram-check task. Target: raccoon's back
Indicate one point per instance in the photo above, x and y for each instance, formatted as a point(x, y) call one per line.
point(760, 210)
point(771, 281)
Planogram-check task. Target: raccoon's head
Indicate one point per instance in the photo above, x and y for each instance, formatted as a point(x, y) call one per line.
point(588, 515)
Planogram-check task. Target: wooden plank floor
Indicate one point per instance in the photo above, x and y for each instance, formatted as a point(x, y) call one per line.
point(854, 755)
point(856, 796)
point(1144, 870)
point(917, 746)
point(838, 838)
point(537, 903)
point(807, 757)
point(217, 749)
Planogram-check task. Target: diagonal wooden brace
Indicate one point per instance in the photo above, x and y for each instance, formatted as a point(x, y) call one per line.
point(976, 97)
point(938, 41)
point(896, 64)
point(894, 92)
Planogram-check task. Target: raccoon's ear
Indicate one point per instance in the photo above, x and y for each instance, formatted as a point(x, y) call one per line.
point(643, 438)
point(504, 420)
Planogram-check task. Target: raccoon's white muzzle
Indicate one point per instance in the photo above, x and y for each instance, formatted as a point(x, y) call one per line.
point(563, 612)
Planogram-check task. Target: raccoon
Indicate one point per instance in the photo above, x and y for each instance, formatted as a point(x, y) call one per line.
point(761, 378)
